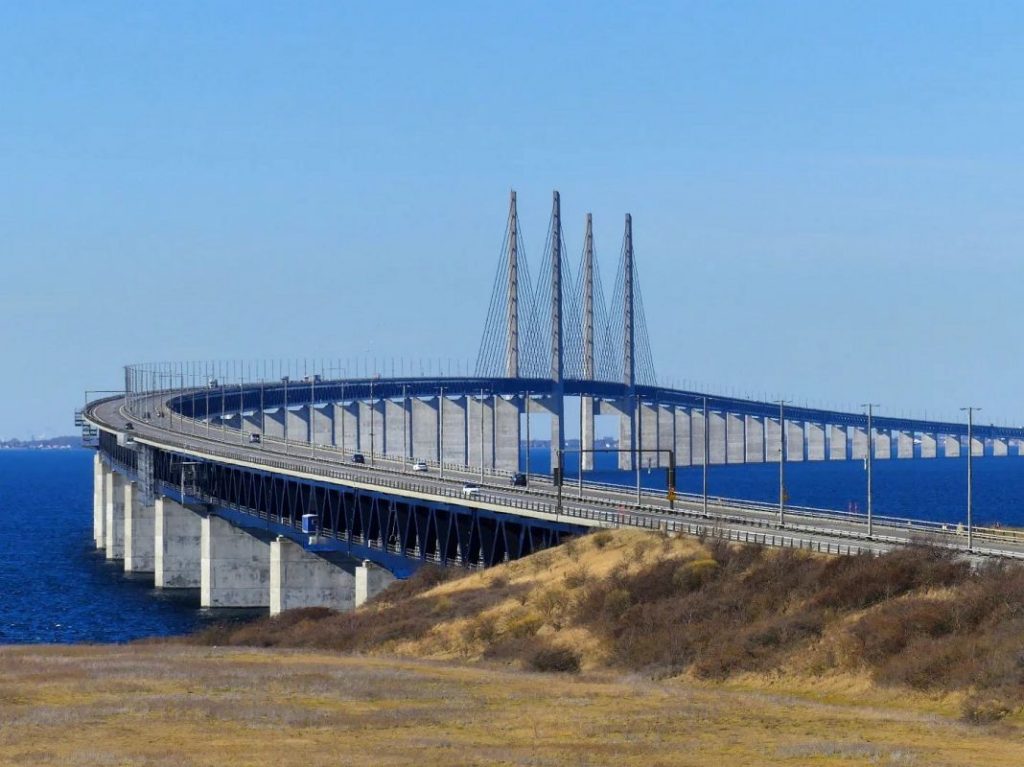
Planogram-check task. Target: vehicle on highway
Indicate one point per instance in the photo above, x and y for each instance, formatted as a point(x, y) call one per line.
point(255, 439)
point(470, 489)
point(129, 425)
point(358, 458)
point(518, 479)
point(419, 466)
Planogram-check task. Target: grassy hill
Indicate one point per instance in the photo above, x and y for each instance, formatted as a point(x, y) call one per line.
point(916, 621)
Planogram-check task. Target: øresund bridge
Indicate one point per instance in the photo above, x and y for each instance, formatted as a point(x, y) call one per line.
point(292, 485)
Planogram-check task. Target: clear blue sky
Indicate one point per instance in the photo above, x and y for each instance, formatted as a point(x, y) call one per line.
point(827, 197)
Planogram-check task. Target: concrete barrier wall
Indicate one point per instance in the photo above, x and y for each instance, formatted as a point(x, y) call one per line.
point(424, 430)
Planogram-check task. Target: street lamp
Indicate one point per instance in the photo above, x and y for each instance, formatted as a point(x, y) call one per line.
point(707, 449)
point(782, 461)
point(868, 463)
point(970, 475)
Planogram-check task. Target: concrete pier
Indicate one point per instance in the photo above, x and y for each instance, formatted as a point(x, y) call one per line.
point(139, 532)
point(977, 447)
point(301, 578)
point(370, 580)
point(684, 444)
point(772, 440)
point(836, 443)
point(586, 432)
point(396, 428)
point(234, 566)
point(99, 503)
point(177, 544)
point(904, 444)
point(346, 427)
point(859, 439)
point(506, 428)
point(950, 446)
point(274, 423)
point(114, 525)
point(716, 434)
point(371, 432)
point(815, 442)
point(883, 445)
point(1000, 447)
point(697, 426)
point(453, 416)
point(735, 438)
point(794, 441)
point(928, 443)
point(480, 432)
point(297, 424)
point(753, 430)
point(666, 433)
point(322, 424)
point(424, 430)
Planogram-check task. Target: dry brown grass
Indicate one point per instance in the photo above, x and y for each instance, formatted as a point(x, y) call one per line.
point(178, 706)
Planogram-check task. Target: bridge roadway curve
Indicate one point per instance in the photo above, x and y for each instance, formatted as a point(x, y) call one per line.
point(592, 505)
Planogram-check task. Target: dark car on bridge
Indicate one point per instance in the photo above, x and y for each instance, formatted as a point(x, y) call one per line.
point(518, 479)
point(358, 458)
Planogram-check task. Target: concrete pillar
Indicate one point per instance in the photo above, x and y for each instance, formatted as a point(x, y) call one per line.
point(556, 428)
point(753, 435)
point(815, 441)
point(424, 430)
point(684, 445)
point(453, 449)
point(252, 423)
point(859, 449)
point(300, 578)
point(396, 424)
point(735, 438)
point(950, 446)
point(506, 429)
point(346, 426)
point(322, 421)
point(371, 432)
point(795, 447)
point(1020, 447)
point(298, 424)
point(371, 579)
point(626, 437)
point(649, 434)
point(904, 444)
point(928, 446)
point(99, 503)
point(138, 531)
point(977, 446)
point(666, 433)
point(1000, 447)
point(274, 420)
point(716, 434)
point(586, 432)
point(772, 440)
point(114, 527)
point(480, 417)
point(177, 544)
point(234, 566)
point(836, 443)
point(883, 444)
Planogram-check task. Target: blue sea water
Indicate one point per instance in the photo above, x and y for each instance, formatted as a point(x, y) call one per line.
point(56, 587)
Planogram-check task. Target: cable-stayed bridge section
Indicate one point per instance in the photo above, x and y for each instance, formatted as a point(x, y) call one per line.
point(306, 486)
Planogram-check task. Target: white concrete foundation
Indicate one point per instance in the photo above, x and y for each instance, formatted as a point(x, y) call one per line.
point(815, 442)
point(950, 446)
point(754, 435)
point(928, 446)
point(795, 441)
point(904, 444)
point(684, 446)
point(424, 430)
point(735, 438)
point(300, 578)
point(99, 503)
point(114, 526)
point(139, 533)
point(177, 541)
point(234, 566)
point(506, 426)
point(836, 443)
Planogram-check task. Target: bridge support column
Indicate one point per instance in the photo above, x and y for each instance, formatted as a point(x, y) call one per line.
point(735, 438)
point(698, 426)
point(1000, 447)
point(396, 427)
point(626, 436)
point(883, 445)
point(300, 578)
point(139, 531)
point(321, 420)
point(506, 430)
point(977, 446)
point(950, 446)
point(772, 440)
point(587, 432)
point(424, 430)
point(795, 445)
point(1020, 447)
point(904, 444)
point(298, 424)
point(859, 449)
point(346, 427)
point(177, 543)
point(274, 420)
point(234, 566)
point(99, 503)
point(716, 437)
point(252, 423)
point(836, 443)
point(370, 580)
point(114, 527)
point(684, 454)
point(928, 445)
point(453, 448)
point(480, 418)
point(666, 433)
point(649, 434)
point(753, 436)
point(815, 441)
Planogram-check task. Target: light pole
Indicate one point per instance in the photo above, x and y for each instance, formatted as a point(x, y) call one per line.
point(373, 412)
point(440, 434)
point(868, 463)
point(405, 424)
point(638, 431)
point(782, 462)
point(481, 436)
point(528, 398)
point(970, 475)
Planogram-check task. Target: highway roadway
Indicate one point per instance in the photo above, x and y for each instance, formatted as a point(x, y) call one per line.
point(593, 505)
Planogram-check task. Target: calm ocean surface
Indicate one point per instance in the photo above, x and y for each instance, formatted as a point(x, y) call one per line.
point(55, 587)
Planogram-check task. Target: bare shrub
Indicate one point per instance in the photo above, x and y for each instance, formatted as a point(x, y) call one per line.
point(556, 659)
point(601, 538)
